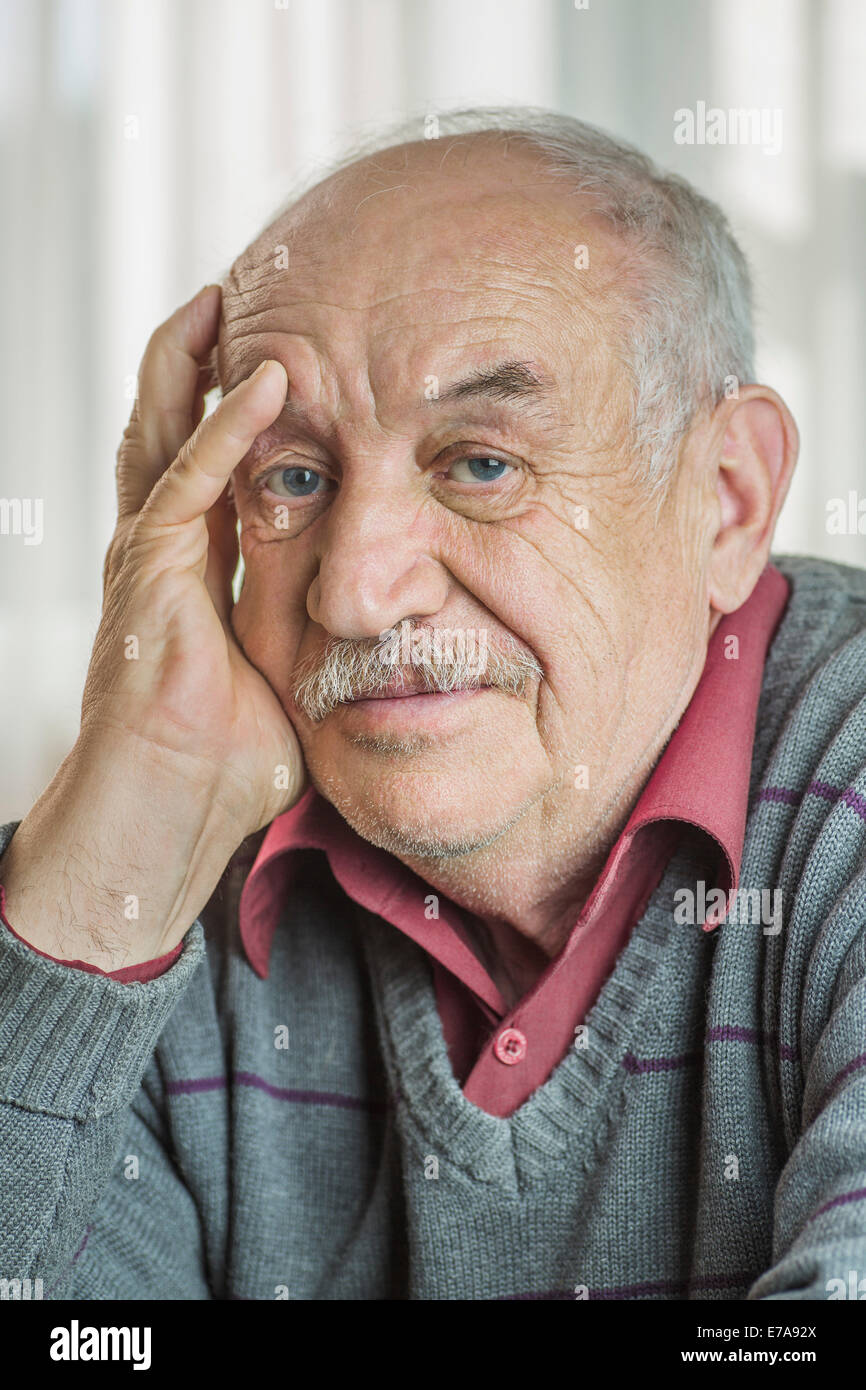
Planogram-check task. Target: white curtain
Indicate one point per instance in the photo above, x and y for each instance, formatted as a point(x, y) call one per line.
point(144, 142)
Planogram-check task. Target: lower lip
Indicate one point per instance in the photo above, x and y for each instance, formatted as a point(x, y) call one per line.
point(412, 711)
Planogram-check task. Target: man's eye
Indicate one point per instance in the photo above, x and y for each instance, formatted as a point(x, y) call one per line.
point(296, 482)
point(478, 470)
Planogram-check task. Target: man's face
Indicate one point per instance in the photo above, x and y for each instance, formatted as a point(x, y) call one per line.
point(455, 451)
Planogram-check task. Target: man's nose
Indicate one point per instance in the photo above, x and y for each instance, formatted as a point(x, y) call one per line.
point(375, 565)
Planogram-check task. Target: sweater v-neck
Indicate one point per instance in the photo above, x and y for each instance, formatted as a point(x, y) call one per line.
point(572, 1107)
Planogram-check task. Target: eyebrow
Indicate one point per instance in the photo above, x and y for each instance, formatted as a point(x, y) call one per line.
point(507, 381)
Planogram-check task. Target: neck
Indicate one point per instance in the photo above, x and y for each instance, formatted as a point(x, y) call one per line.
point(534, 879)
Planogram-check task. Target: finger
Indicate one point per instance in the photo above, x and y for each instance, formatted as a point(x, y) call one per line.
point(168, 384)
point(170, 372)
point(193, 483)
point(222, 553)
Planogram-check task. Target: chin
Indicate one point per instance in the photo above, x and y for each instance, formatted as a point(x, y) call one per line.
point(420, 803)
point(429, 778)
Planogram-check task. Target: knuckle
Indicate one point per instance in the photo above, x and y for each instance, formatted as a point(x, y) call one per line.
point(185, 455)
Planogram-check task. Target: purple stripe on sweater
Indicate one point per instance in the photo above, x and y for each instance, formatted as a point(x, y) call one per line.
point(662, 1286)
point(854, 800)
point(80, 1251)
point(732, 1032)
point(824, 790)
point(553, 1295)
point(723, 1281)
point(246, 1078)
point(709, 1281)
point(196, 1085)
point(779, 794)
point(638, 1065)
point(725, 1032)
point(854, 1065)
point(666, 1286)
point(191, 1088)
point(856, 1196)
point(83, 1246)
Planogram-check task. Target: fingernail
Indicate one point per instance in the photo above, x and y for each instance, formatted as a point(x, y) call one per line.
point(262, 368)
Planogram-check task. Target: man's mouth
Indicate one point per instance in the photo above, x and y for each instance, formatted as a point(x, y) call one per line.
point(410, 687)
point(408, 707)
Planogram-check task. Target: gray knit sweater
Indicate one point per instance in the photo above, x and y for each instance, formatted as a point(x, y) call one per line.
point(708, 1141)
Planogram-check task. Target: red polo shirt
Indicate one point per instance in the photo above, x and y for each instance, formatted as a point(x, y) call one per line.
point(500, 1055)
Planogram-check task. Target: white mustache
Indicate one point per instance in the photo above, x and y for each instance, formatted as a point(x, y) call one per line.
point(352, 670)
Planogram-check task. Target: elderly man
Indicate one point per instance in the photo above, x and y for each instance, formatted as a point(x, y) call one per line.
point(516, 800)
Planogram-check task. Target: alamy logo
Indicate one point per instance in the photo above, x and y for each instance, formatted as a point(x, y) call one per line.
point(740, 907)
point(434, 647)
point(17, 1289)
point(855, 1288)
point(76, 1343)
point(711, 125)
point(22, 516)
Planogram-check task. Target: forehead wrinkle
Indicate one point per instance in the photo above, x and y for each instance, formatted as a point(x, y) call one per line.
point(574, 313)
point(381, 298)
point(515, 277)
point(233, 290)
point(505, 415)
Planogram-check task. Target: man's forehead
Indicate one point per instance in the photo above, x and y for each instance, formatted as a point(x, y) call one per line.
point(414, 348)
point(479, 247)
point(424, 263)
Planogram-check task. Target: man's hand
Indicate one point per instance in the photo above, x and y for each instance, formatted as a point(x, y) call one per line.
point(182, 740)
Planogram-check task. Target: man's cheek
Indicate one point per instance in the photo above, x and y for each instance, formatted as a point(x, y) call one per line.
point(268, 621)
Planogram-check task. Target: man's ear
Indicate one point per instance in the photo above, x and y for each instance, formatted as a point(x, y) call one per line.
point(756, 458)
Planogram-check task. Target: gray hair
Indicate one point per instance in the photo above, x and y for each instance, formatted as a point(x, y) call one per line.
point(688, 332)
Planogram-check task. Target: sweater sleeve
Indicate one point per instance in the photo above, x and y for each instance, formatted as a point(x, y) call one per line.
point(74, 1047)
point(819, 1240)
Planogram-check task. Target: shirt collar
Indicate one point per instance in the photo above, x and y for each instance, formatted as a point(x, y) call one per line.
point(701, 779)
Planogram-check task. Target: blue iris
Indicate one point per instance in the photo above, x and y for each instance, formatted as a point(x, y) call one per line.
point(300, 481)
point(486, 470)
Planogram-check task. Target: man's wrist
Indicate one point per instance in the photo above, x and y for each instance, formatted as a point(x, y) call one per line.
point(103, 872)
point(131, 974)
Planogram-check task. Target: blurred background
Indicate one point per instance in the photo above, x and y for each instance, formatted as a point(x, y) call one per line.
point(144, 142)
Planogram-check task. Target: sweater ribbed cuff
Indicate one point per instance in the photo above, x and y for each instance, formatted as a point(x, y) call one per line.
point(73, 1044)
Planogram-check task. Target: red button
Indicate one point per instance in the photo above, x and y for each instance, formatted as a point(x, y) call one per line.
point(510, 1046)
